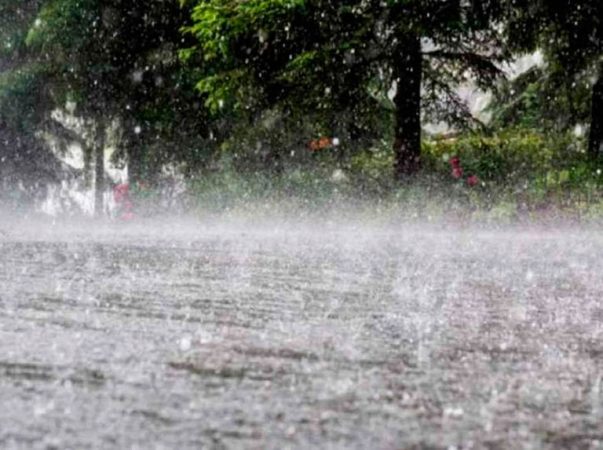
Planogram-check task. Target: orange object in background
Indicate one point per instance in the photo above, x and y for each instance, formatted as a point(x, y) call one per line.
point(320, 144)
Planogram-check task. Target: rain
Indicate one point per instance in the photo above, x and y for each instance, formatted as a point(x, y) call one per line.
point(301, 224)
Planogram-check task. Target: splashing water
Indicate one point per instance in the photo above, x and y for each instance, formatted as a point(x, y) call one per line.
point(299, 334)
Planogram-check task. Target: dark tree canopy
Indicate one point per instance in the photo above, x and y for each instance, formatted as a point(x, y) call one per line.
point(570, 33)
point(339, 62)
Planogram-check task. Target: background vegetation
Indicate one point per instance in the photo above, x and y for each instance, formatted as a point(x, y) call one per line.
point(310, 101)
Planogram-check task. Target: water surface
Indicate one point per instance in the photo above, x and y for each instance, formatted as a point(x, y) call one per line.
point(276, 335)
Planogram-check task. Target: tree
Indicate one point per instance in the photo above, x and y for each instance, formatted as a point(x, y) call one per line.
point(337, 61)
point(542, 99)
point(23, 159)
point(570, 33)
point(117, 62)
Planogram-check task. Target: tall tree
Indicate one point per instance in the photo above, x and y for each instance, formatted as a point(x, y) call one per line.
point(570, 33)
point(23, 159)
point(344, 57)
point(116, 60)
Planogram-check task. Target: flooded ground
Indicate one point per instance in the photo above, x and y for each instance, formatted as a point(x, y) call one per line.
point(280, 336)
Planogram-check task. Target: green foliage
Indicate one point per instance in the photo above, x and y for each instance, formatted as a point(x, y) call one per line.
point(118, 61)
point(523, 174)
point(63, 24)
point(533, 171)
point(217, 19)
point(243, 86)
point(21, 83)
point(21, 92)
point(15, 19)
point(570, 34)
point(507, 157)
point(541, 99)
point(334, 63)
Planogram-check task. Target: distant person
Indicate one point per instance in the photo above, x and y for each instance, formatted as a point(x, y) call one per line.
point(123, 202)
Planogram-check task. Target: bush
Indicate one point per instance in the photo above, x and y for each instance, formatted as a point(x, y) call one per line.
point(518, 171)
point(507, 157)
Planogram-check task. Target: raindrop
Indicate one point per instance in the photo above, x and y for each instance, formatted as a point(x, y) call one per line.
point(185, 343)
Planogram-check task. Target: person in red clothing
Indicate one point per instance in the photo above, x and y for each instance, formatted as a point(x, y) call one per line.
point(125, 207)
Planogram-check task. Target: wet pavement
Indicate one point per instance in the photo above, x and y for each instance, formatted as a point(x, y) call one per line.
point(309, 336)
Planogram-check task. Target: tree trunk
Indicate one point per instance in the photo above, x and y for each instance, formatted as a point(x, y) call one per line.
point(407, 66)
point(595, 139)
point(99, 170)
point(88, 151)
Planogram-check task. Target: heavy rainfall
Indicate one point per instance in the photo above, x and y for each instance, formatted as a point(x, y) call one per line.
point(301, 224)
